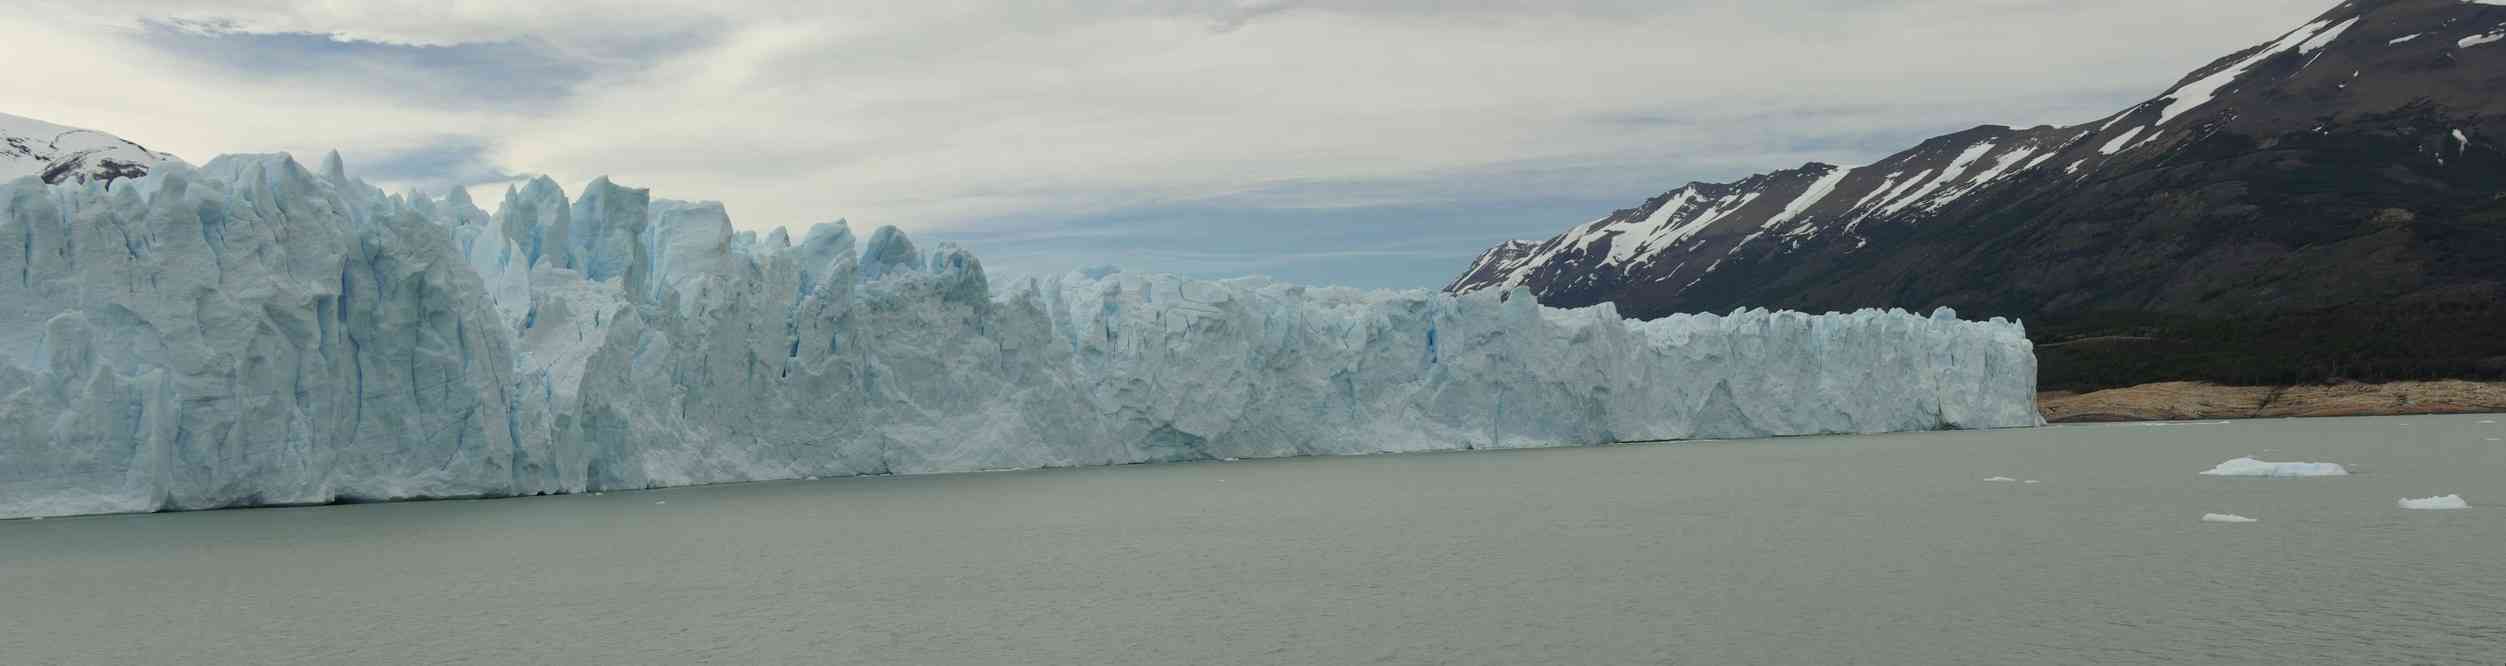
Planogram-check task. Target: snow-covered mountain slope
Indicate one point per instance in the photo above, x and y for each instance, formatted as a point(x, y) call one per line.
point(57, 154)
point(2353, 159)
point(1675, 240)
point(251, 332)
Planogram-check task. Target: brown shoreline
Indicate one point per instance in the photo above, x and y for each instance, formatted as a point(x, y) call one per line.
point(2181, 401)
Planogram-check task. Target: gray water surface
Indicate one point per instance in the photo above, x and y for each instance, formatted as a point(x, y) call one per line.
point(1825, 550)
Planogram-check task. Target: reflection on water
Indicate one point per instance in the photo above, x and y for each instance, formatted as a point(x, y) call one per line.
point(1887, 549)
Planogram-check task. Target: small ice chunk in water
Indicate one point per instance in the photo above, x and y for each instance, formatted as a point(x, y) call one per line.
point(2277, 470)
point(2032, 481)
point(2225, 518)
point(2436, 503)
point(2001, 479)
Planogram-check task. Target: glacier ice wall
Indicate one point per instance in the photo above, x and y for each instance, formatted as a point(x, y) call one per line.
point(250, 332)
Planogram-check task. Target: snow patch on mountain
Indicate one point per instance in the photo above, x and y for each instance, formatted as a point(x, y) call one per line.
point(1887, 186)
point(1817, 193)
point(1719, 209)
point(1631, 239)
point(2004, 165)
point(1895, 193)
point(2324, 38)
point(2120, 141)
point(1957, 169)
point(1506, 258)
point(2198, 92)
point(60, 154)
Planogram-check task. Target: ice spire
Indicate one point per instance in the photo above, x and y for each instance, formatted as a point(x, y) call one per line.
point(333, 168)
point(889, 251)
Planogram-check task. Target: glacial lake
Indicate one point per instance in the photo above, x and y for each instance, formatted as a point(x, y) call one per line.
point(1886, 549)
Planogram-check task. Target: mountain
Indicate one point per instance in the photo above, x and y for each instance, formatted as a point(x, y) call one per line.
point(57, 154)
point(2324, 205)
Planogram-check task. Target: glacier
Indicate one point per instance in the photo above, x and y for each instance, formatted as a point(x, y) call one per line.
point(251, 332)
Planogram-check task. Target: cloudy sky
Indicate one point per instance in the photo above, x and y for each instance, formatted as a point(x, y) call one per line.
point(1377, 144)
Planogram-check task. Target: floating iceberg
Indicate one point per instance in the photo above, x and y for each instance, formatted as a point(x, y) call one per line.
point(2276, 470)
point(2225, 518)
point(251, 332)
point(2001, 479)
point(2436, 503)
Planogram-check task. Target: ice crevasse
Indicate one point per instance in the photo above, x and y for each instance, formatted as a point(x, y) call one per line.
point(253, 332)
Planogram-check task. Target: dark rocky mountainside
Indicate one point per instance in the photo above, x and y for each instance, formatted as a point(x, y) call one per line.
point(2331, 204)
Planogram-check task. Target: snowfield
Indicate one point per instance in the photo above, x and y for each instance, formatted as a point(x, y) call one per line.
point(252, 332)
point(58, 154)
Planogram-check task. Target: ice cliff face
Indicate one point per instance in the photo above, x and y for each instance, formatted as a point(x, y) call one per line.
point(252, 332)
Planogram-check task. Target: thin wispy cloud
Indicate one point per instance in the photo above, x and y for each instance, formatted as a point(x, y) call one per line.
point(1150, 134)
point(436, 165)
